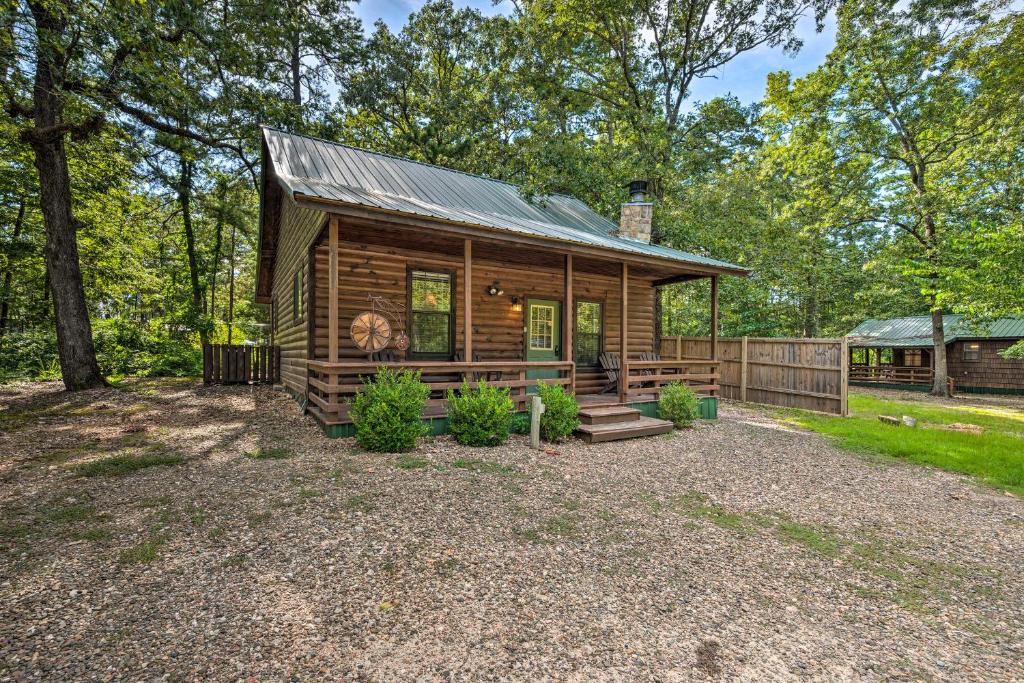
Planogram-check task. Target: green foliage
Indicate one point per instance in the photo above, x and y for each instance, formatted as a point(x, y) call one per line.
point(480, 415)
point(27, 354)
point(561, 411)
point(1015, 351)
point(992, 453)
point(126, 464)
point(272, 453)
point(678, 404)
point(387, 411)
point(520, 423)
point(124, 347)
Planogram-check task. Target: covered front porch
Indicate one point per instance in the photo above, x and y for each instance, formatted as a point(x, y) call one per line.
point(891, 365)
point(476, 307)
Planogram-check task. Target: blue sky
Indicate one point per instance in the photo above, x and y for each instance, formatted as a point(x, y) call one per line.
point(744, 77)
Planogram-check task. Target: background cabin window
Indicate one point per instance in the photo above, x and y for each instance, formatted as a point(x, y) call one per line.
point(297, 297)
point(972, 351)
point(912, 358)
point(588, 332)
point(430, 314)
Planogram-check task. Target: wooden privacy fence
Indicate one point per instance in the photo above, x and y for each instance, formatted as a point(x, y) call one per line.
point(811, 374)
point(241, 364)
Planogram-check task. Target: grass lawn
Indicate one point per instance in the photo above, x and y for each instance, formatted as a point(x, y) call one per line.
point(995, 454)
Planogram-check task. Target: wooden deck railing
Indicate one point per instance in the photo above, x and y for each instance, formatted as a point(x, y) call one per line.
point(647, 377)
point(332, 385)
point(891, 374)
point(241, 364)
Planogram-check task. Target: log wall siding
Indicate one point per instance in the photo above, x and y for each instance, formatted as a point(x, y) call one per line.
point(498, 331)
point(365, 269)
point(990, 371)
point(299, 228)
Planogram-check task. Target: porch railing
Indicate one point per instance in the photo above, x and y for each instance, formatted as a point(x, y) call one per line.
point(648, 377)
point(332, 385)
point(891, 374)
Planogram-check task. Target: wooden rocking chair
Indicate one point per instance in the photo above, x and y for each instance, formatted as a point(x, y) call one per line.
point(610, 365)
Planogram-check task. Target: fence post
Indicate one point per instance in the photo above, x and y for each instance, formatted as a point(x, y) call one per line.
point(743, 368)
point(679, 347)
point(844, 378)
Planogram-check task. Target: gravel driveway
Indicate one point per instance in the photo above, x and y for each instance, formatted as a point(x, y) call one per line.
point(740, 550)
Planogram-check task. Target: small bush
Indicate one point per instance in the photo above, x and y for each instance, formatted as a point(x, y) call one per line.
point(386, 411)
point(520, 423)
point(560, 416)
point(678, 404)
point(480, 415)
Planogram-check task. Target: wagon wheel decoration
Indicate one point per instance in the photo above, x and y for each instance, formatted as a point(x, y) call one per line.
point(370, 331)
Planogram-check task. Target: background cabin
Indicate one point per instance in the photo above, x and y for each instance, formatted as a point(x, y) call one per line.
point(898, 352)
point(475, 281)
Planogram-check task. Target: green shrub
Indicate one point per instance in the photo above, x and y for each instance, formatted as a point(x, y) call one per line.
point(520, 423)
point(480, 415)
point(678, 404)
point(28, 354)
point(386, 411)
point(561, 412)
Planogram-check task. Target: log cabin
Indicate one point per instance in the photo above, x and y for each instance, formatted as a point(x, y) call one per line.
point(368, 260)
point(898, 353)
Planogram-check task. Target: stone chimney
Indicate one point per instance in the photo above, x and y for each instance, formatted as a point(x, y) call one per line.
point(635, 220)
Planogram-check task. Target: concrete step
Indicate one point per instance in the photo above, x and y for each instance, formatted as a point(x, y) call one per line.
point(644, 426)
point(600, 415)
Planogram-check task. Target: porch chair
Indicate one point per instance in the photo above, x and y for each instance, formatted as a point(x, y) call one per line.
point(489, 375)
point(385, 356)
point(649, 355)
point(610, 364)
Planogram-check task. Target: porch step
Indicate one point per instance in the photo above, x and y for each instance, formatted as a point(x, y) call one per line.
point(642, 426)
point(608, 414)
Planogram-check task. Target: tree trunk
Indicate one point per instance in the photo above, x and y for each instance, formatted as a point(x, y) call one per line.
point(78, 365)
point(231, 285)
point(185, 201)
point(6, 291)
point(940, 384)
point(296, 64)
point(215, 258)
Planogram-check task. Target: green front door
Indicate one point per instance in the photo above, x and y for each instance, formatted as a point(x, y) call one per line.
point(543, 334)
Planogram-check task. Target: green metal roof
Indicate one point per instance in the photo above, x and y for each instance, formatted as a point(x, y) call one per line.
point(320, 169)
point(917, 331)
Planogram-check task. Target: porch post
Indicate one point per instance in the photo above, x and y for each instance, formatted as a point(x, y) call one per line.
point(624, 335)
point(568, 309)
point(332, 292)
point(467, 279)
point(714, 317)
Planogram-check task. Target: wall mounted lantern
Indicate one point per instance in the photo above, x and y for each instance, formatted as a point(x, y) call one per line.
point(517, 304)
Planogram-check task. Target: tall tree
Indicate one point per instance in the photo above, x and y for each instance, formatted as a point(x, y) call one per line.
point(882, 130)
point(438, 90)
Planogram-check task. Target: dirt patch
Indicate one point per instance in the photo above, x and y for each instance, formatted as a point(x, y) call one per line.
point(222, 537)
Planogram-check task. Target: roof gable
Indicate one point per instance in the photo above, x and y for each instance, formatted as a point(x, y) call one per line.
point(332, 172)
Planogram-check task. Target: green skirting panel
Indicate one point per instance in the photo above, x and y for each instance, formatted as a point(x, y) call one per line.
point(708, 408)
point(439, 425)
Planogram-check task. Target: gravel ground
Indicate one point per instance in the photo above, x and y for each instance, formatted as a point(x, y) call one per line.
point(739, 550)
